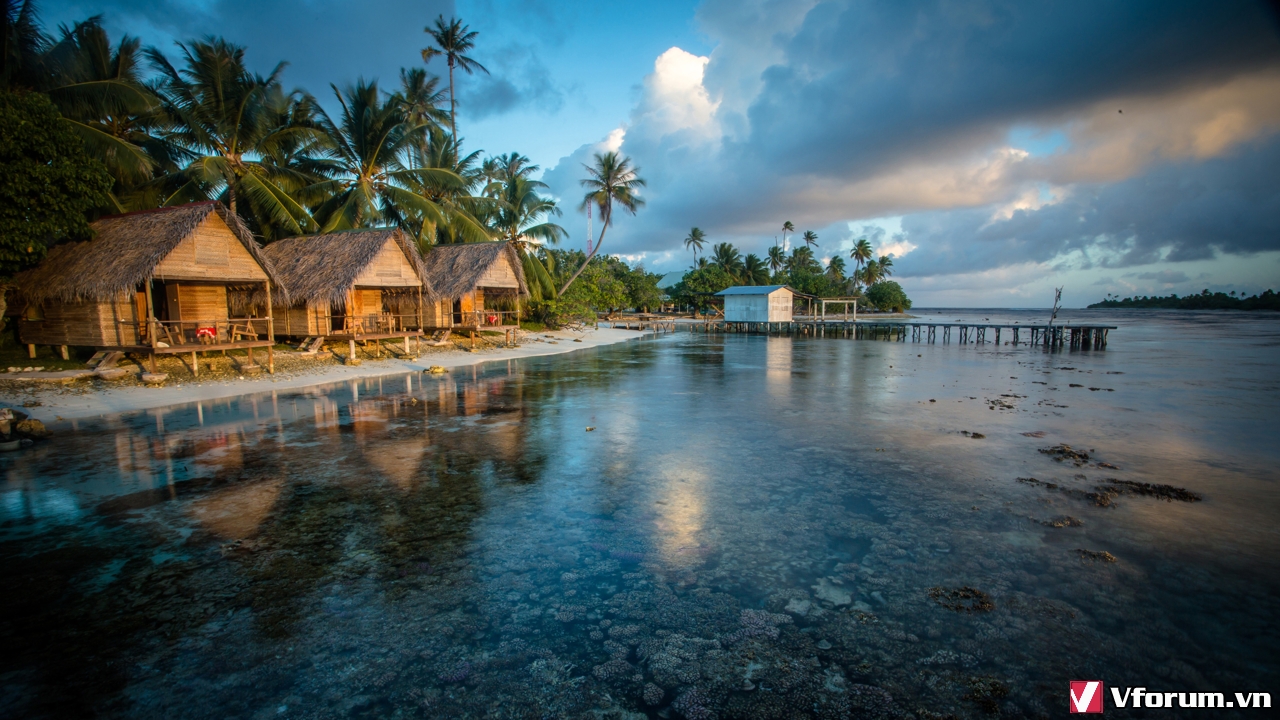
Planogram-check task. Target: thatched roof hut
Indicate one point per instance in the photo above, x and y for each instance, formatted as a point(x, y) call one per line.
point(463, 277)
point(455, 270)
point(187, 273)
point(348, 282)
point(126, 251)
point(324, 268)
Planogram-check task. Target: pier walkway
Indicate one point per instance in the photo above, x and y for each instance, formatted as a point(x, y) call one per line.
point(1050, 336)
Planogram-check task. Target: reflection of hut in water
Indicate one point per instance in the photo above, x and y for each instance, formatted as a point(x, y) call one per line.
point(478, 286)
point(167, 281)
point(356, 285)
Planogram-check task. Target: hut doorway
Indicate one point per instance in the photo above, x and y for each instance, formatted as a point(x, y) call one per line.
point(457, 311)
point(337, 316)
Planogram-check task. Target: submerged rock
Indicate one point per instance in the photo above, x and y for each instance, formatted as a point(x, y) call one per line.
point(33, 429)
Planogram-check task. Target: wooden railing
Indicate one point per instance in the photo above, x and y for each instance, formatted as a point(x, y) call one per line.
point(177, 333)
point(490, 318)
point(375, 323)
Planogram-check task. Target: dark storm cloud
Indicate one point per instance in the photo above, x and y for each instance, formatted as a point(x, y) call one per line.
point(1185, 211)
point(869, 83)
point(324, 41)
point(518, 79)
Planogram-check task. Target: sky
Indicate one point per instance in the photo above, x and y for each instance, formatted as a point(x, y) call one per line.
point(996, 149)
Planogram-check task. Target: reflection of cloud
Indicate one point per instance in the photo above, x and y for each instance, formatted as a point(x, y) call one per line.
point(680, 515)
point(777, 363)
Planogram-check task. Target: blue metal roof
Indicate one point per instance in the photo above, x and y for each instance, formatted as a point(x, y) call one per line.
point(753, 289)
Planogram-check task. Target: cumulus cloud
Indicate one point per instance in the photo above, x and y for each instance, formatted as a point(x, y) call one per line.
point(828, 112)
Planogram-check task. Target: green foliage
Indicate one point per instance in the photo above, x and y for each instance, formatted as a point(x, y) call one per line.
point(697, 286)
point(888, 295)
point(1206, 300)
point(50, 183)
point(610, 285)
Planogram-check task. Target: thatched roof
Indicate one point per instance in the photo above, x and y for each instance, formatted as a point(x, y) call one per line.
point(323, 268)
point(124, 253)
point(455, 270)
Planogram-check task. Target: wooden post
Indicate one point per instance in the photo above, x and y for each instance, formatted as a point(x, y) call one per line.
point(271, 332)
point(65, 355)
point(406, 345)
point(351, 350)
point(250, 352)
point(195, 365)
point(31, 351)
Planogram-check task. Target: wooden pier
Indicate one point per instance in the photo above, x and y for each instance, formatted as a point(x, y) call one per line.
point(650, 324)
point(1050, 336)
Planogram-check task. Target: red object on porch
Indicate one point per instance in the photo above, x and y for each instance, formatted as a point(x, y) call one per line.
point(492, 319)
point(207, 332)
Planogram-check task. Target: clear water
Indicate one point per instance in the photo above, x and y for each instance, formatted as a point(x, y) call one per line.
point(756, 527)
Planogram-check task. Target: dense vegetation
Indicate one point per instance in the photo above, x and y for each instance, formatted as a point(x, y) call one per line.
point(800, 269)
point(1206, 300)
point(94, 127)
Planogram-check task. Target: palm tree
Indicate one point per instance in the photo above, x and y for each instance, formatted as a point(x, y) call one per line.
point(612, 179)
point(777, 259)
point(463, 209)
point(870, 274)
point(835, 268)
point(861, 252)
point(810, 239)
point(695, 240)
point(754, 270)
point(372, 185)
point(522, 218)
point(452, 40)
point(886, 265)
point(422, 98)
point(802, 260)
point(787, 227)
point(23, 45)
point(727, 258)
point(221, 117)
point(100, 93)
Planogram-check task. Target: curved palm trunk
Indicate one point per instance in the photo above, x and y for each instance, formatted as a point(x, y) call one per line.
point(603, 226)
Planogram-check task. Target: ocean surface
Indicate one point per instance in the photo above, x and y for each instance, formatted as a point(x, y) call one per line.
point(678, 527)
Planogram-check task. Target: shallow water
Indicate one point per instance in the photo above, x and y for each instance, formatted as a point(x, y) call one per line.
point(756, 527)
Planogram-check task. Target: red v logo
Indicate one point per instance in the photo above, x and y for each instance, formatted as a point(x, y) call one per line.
point(1086, 696)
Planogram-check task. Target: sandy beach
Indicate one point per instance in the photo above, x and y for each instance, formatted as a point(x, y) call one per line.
point(81, 399)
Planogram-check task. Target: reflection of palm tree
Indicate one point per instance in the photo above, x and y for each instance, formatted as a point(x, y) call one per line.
point(786, 228)
point(777, 259)
point(452, 40)
point(695, 240)
point(810, 238)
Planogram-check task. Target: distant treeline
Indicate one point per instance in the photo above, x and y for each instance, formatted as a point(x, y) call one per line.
point(1206, 300)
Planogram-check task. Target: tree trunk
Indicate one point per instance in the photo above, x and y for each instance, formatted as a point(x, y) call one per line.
point(603, 226)
point(231, 196)
point(453, 122)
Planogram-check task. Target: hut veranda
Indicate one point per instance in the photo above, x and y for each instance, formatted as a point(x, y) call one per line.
point(166, 281)
point(355, 285)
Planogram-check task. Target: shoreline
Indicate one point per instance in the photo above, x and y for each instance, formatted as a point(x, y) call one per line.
point(56, 404)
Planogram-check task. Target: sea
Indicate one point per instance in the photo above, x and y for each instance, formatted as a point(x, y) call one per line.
point(680, 526)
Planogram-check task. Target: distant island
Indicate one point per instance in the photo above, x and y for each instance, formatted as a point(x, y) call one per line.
point(1206, 300)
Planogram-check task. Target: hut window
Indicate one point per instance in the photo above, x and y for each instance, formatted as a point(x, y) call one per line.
point(33, 312)
point(212, 250)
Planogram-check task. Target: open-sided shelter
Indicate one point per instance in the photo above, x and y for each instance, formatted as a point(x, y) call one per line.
point(758, 303)
point(477, 286)
point(166, 281)
point(354, 285)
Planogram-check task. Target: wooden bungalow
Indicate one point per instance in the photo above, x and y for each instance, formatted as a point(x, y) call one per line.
point(167, 281)
point(477, 286)
point(356, 285)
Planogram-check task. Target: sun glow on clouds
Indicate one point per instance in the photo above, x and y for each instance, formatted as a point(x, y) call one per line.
point(675, 98)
